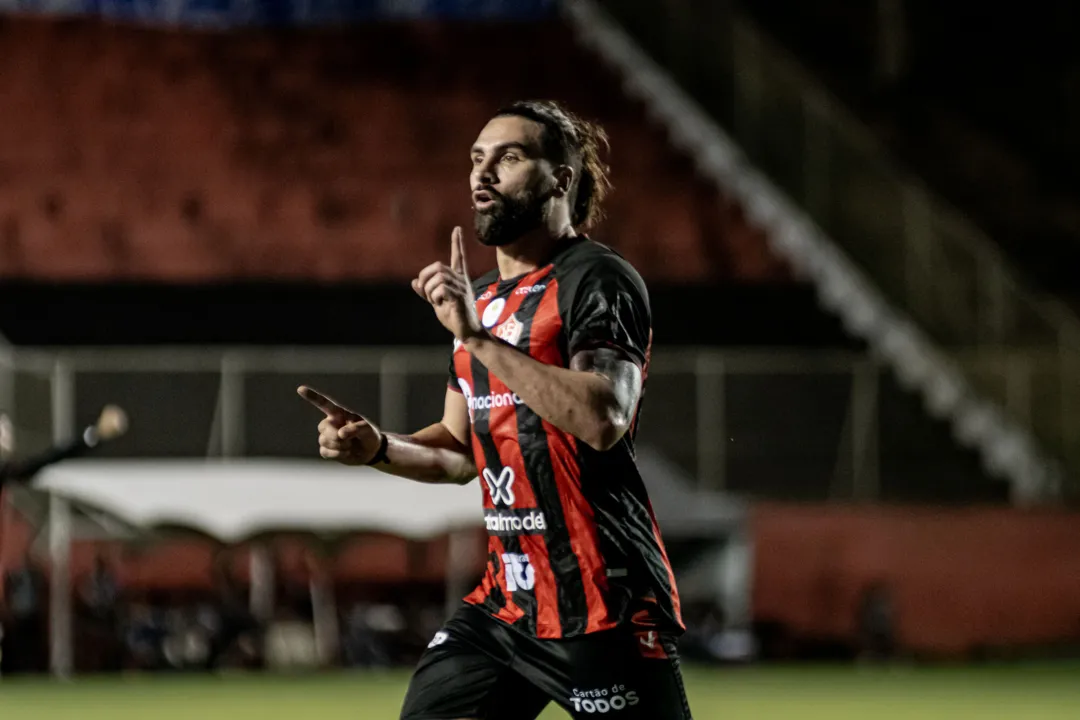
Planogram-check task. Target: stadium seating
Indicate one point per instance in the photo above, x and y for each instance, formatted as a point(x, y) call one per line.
point(136, 153)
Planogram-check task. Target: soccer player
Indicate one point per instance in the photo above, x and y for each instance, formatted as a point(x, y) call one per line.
point(578, 604)
point(111, 424)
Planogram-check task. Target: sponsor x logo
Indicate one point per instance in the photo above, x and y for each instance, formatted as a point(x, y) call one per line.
point(500, 487)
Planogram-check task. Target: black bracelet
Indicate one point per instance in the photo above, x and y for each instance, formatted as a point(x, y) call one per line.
point(380, 454)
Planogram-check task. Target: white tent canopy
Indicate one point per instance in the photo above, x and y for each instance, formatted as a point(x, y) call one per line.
point(234, 500)
point(237, 500)
point(683, 511)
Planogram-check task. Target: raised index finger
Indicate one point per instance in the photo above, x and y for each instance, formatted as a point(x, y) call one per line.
point(328, 406)
point(457, 253)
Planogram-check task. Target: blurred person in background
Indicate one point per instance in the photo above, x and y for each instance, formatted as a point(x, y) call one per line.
point(876, 625)
point(239, 634)
point(145, 636)
point(7, 441)
point(292, 588)
point(100, 606)
point(362, 644)
point(25, 588)
point(551, 350)
point(111, 424)
point(25, 641)
point(704, 626)
point(184, 645)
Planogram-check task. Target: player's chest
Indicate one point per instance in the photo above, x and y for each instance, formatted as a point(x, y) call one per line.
point(525, 315)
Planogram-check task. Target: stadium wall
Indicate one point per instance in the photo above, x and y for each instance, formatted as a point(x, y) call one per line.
point(961, 581)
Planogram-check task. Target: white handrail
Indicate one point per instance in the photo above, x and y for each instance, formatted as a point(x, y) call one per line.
point(969, 235)
point(1007, 449)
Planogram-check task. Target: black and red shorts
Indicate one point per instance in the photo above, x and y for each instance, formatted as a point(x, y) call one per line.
point(480, 668)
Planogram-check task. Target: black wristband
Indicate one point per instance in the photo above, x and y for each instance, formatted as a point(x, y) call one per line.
point(380, 454)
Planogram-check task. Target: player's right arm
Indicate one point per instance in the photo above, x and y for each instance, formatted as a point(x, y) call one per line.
point(440, 453)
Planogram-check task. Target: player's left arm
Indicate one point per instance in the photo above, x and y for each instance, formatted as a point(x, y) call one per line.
point(112, 423)
point(607, 324)
point(606, 318)
point(593, 400)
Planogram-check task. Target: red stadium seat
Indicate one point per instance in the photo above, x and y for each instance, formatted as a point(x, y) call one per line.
point(338, 155)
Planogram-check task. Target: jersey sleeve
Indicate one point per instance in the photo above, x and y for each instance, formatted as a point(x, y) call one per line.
point(609, 307)
point(452, 380)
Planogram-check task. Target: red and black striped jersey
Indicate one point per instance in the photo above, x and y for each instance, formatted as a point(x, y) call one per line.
point(573, 543)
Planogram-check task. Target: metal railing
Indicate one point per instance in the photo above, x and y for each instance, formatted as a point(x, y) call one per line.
point(792, 425)
point(925, 256)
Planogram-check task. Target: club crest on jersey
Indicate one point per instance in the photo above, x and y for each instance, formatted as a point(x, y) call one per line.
point(493, 312)
point(511, 330)
point(501, 486)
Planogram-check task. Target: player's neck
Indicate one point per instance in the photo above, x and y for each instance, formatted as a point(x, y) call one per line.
point(531, 251)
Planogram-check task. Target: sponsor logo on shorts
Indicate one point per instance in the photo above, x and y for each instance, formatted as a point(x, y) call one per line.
point(651, 645)
point(515, 522)
point(603, 700)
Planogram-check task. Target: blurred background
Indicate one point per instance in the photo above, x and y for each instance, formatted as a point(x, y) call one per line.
point(859, 224)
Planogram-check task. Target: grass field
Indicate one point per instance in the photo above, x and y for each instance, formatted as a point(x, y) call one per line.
point(1028, 692)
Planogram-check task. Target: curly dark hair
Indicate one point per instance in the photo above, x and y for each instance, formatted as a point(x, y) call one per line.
point(574, 141)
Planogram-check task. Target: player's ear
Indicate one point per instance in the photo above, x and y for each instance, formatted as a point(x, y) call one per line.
point(564, 180)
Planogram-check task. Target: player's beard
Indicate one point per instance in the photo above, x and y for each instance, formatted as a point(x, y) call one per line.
point(509, 219)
